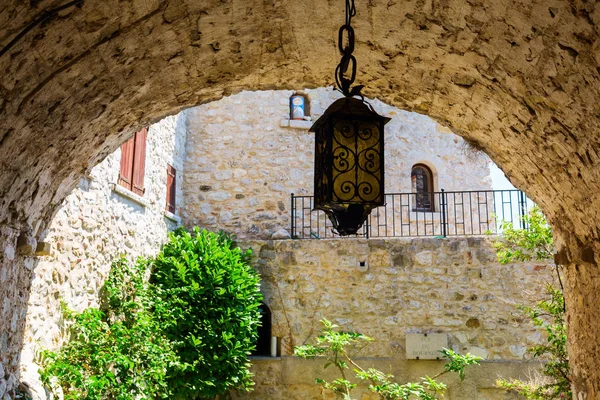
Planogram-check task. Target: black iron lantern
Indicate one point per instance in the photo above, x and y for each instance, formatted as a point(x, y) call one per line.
point(349, 149)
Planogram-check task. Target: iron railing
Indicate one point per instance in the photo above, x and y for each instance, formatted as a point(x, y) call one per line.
point(440, 214)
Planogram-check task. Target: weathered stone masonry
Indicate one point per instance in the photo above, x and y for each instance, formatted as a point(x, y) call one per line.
point(99, 222)
point(454, 286)
point(235, 182)
point(517, 77)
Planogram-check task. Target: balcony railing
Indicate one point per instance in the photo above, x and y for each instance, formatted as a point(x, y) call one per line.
point(421, 214)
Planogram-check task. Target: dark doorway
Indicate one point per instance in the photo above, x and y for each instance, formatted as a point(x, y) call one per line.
point(263, 343)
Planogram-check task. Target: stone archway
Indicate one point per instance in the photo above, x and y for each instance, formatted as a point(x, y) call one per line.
point(519, 79)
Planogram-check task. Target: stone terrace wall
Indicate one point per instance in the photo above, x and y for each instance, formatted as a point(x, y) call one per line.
point(291, 378)
point(241, 184)
point(94, 226)
point(452, 286)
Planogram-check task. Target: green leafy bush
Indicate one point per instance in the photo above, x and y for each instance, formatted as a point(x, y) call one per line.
point(184, 334)
point(536, 243)
point(339, 349)
point(207, 302)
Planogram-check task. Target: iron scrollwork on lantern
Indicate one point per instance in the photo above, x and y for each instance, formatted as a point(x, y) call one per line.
point(349, 163)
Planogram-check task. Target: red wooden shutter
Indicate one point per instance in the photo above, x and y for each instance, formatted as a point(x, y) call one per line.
point(139, 162)
point(126, 171)
point(171, 179)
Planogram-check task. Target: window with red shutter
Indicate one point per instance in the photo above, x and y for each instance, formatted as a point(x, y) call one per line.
point(171, 186)
point(126, 171)
point(133, 163)
point(139, 162)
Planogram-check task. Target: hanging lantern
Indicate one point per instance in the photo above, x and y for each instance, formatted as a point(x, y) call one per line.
point(349, 144)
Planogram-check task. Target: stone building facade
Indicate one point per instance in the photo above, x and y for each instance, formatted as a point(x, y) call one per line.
point(227, 179)
point(234, 182)
point(99, 222)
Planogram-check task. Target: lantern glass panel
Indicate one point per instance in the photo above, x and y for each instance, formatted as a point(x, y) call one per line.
point(357, 172)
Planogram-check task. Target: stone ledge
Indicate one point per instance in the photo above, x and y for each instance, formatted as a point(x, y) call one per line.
point(172, 217)
point(43, 249)
point(120, 190)
point(296, 124)
point(264, 358)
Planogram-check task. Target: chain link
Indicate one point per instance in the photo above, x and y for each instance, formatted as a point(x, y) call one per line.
point(346, 48)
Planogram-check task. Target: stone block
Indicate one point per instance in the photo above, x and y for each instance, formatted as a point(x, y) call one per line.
point(399, 259)
point(25, 244)
point(305, 125)
point(43, 249)
point(424, 258)
point(222, 175)
point(218, 196)
point(379, 258)
point(281, 234)
point(518, 351)
point(479, 352)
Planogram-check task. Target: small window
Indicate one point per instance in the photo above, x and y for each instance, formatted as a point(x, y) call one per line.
point(422, 185)
point(299, 106)
point(133, 162)
point(263, 343)
point(171, 188)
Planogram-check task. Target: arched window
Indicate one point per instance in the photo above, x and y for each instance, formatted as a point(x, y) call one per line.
point(263, 343)
point(422, 184)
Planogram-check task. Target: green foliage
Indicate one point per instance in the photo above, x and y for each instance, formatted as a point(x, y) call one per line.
point(124, 356)
point(339, 349)
point(185, 334)
point(458, 362)
point(207, 302)
point(555, 383)
point(535, 243)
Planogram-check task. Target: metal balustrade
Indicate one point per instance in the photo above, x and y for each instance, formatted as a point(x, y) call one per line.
point(441, 214)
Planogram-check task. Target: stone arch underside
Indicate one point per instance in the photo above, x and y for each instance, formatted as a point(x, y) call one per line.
point(517, 78)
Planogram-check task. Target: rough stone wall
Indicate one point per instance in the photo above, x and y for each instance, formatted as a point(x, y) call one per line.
point(291, 378)
point(95, 225)
point(453, 286)
point(517, 77)
point(237, 182)
point(99, 221)
point(14, 279)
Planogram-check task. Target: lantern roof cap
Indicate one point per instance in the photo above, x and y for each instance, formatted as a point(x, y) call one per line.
point(349, 106)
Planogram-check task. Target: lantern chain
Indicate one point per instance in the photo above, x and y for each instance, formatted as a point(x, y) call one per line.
point(343, 78)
